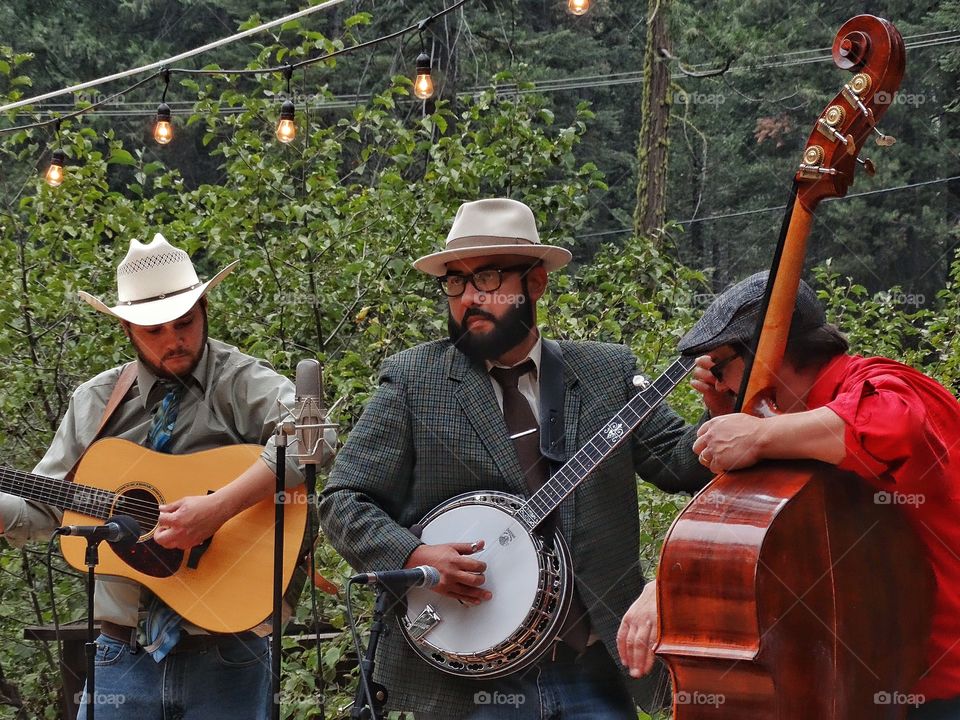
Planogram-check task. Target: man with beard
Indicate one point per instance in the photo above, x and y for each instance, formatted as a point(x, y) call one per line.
point(184, 393)
point(444, 421)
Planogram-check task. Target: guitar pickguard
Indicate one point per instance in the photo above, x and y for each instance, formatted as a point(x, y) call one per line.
point(151, 559)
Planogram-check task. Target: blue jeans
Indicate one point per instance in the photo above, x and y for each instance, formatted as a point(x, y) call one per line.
point(937, 710)
point(586, 688)
point(227, 681)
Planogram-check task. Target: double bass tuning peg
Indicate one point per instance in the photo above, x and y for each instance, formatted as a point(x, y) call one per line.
point(868, 167)
point(882, 139)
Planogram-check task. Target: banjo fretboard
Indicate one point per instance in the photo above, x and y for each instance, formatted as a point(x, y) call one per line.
point(615, 431)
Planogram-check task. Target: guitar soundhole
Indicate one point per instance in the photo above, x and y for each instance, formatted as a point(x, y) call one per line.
point(146, 556)
point(142, 505)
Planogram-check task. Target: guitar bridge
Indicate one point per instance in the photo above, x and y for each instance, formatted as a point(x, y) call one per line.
point(426, 621)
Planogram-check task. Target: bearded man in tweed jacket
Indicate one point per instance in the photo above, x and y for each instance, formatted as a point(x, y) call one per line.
point(436, 428)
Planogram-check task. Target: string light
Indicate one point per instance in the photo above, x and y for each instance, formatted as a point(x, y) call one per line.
point(55, 174)
point(163, 127)
point(287, 126)
point(578, 7)
point(423, 85)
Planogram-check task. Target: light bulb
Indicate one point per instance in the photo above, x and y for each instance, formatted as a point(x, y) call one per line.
point(286, 127)
point(578, 7)
point(423, 85)
point(55, 174)
point(163, 128)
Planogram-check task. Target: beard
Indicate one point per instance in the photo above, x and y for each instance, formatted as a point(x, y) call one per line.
point(161, 372)
point(508, 331)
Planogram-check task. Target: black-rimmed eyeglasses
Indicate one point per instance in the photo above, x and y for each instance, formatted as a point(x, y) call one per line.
point(454, 285)
point(718, 367)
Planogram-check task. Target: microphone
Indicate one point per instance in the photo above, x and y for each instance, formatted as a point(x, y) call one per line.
point(310, 414)
point(121, 530)
point(399, 581)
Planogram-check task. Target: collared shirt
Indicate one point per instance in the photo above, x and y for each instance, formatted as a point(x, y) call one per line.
point(230, 398)
point(529, 384)
point(901, 437)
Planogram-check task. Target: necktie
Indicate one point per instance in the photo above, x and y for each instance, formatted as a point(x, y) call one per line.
point(163, 624)
point(164, 418)
point(525, 433)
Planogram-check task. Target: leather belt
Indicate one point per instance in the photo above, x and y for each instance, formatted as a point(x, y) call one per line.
point(188, 643)
point(562, 652)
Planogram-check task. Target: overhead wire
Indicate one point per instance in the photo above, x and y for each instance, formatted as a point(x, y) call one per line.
point(551, 85)
point(171, 60)
point(286, 69)
point(775, 208)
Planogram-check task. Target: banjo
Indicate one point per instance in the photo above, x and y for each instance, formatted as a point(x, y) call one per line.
point(530, 575)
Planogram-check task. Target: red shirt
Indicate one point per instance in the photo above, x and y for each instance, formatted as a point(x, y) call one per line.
point(903, 437)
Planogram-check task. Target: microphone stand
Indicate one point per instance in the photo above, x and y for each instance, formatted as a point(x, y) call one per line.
point(310, 479)
point(91, 560)
point(277, 630)
point(366, 687)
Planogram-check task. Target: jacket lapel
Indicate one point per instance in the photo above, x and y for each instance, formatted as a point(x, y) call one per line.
point(479, 405)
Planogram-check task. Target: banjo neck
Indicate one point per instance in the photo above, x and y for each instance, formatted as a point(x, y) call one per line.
point(565, 480)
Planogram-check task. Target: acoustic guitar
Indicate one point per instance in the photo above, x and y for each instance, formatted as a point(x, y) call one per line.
point(224, 584)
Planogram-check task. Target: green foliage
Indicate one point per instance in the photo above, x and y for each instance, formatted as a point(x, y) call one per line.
point(325, 229)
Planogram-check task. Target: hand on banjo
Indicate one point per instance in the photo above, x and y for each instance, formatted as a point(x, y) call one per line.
point(460, 575)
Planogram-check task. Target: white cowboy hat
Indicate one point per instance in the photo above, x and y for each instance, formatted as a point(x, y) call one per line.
point(493, 227)
point(156, 283)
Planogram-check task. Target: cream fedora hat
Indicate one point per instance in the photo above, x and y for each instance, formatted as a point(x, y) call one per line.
point(498, 226)
point(156, 283)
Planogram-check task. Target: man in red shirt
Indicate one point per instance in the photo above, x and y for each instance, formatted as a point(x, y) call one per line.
point(893, 426)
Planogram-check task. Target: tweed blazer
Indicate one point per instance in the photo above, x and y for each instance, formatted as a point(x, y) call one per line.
point(433, 429)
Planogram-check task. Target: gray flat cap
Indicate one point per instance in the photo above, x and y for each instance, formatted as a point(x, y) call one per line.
point(732, 316)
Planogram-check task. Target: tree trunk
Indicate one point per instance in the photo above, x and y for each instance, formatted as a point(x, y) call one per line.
point(653, 143)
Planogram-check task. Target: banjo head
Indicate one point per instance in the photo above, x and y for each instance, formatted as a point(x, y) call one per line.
point(529, 580)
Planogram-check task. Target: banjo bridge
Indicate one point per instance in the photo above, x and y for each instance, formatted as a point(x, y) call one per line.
point(426, 621)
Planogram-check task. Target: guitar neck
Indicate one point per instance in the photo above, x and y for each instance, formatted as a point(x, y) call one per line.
point(615, 431)
point(59, 493)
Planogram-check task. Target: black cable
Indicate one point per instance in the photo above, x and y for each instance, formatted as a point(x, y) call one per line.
point(357, 648)
point(81, 111)
point(53, 606)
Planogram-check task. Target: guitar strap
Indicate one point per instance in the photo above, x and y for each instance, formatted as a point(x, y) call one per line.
point(127, 377)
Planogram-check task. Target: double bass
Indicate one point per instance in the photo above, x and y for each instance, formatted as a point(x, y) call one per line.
point(785, 592)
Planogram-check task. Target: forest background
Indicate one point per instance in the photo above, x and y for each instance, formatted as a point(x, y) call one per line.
point(533, 103)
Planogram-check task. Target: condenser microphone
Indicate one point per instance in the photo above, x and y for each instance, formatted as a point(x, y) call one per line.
point(121, 531)
point(311, 415)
